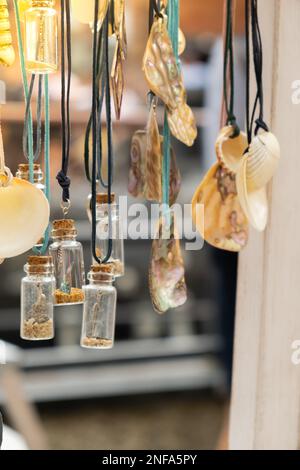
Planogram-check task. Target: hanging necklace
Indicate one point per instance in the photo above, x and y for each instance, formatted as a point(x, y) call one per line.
point(66, 251)
point(261, 160)
point(216, 209)
point(153, 169)
point(27, 171)
point(62, 177)
point(98, 322)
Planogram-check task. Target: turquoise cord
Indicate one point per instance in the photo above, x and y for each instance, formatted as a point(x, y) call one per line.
point(173, 27)
point(26, 89)
point(43, 249)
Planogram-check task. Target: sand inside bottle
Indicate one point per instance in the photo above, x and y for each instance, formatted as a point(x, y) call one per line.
point(97, 343)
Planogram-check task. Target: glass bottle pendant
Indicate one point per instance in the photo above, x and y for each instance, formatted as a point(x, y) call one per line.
point(104, 210)
point(67, 255)
point(37, 299)
point(41, 37)
point(99, 312)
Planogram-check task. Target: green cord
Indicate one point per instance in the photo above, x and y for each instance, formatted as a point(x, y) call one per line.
point(26, 90)
point(173, 27)
point(43, 249)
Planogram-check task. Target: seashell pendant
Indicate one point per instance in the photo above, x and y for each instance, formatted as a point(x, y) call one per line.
point(166, 274)
point(254, 203)
point(262, 160)
point(217, 213)
point(230, 149)
point(24, 217)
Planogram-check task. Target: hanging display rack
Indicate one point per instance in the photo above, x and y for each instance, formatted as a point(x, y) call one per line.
point(233, 192)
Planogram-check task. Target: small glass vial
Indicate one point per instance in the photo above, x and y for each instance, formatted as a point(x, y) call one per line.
point(37, 299)
point(102, 231)
point(41, 37)
point(67, 255)
point(99, 312)
point(38, 175)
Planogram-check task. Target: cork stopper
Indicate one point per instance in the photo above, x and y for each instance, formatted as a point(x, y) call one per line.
point(39, 260)
point(102, 198)
point(63, 224)
point(43, 3)
point(64, 228)
point(24, 167)
point(23, 172)
point(107, 268)
point(39, 265)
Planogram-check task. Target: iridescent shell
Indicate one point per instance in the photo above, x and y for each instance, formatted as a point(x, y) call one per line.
point(254, 202)
point(175, 179)
point(136, 176)
point(166, 274)
point(153, 164)
point(117, 78)
point(183, 124)
point(24, 213)
point(159, 65)
point(217, 213)
point(144, 175)
point(230, 150)
point(165, 81)
point(262, 160)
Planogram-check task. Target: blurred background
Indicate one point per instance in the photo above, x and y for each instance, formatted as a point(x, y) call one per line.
point(166, 383)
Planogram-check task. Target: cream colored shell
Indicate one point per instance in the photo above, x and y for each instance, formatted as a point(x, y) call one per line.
point(262, 160)
point(24, 217)
point(254, 202)
point(230, 149)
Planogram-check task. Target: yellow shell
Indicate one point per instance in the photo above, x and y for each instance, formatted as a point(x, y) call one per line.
point(24, 217)
point(7, 53)
point(229, 149)
point(254, 202)
point(262, 160)
point(224, 224)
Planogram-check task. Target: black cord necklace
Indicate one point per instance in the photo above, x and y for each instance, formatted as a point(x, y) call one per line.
point(228, 71)
point(251, 14)
point(101, 91)
point(62, 177)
